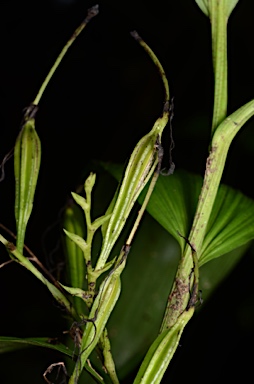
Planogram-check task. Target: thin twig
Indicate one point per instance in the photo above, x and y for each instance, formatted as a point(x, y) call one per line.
point(33, 258)
point(50, 369)
point(6, 263)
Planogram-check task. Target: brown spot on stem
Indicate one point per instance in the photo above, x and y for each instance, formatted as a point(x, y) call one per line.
point(10, 246)
point(87, 296)
point(176, 297)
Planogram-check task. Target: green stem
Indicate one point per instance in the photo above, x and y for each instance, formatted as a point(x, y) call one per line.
point(222, 139)
point(91, 278)
point(156, 62)
point(91, 13)
point(107, 356)
point(218, 16)
point(214, 168)
point(223, 131)
point(58, 295)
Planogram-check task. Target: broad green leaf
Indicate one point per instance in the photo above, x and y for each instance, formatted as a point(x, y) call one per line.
point(231, 224)
point(173, 205)
point(173, 201)
point(212, 273)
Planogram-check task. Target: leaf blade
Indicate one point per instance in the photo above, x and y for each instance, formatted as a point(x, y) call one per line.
point(173, 204)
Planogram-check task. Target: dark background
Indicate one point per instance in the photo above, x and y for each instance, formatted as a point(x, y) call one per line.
point(105, 95)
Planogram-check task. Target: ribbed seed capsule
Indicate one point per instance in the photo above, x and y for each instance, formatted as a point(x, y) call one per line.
point(27, 158)
point(141, 166)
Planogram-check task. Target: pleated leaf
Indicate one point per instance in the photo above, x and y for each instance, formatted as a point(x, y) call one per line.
point(231, 224)
point(205, 6)
point(173, 204)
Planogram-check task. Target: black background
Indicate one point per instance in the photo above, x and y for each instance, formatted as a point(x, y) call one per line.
point(105, 95)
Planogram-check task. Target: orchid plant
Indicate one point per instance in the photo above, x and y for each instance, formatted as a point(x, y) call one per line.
point(208, 221)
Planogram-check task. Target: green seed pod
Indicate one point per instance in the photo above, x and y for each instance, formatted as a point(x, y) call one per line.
point(27, 158)
point(140, 167)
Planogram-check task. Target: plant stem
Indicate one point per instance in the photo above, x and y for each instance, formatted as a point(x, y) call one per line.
point(25, 262)
point(223, 132)
point(91, 13)
point(156, 62)
point(219, 18)
point(107, 356)
point(222, 139)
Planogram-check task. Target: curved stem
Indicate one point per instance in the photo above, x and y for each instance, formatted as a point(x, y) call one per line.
point(91, 13)
point(25, 262)
point(155, 60)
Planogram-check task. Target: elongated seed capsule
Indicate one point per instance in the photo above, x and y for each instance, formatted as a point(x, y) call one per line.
point(161, 351)
point(141, 165)
point(102, 307)
point(27, 158)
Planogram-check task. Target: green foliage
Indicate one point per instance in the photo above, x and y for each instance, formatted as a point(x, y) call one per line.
point(207, 219)
point(173, 204)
